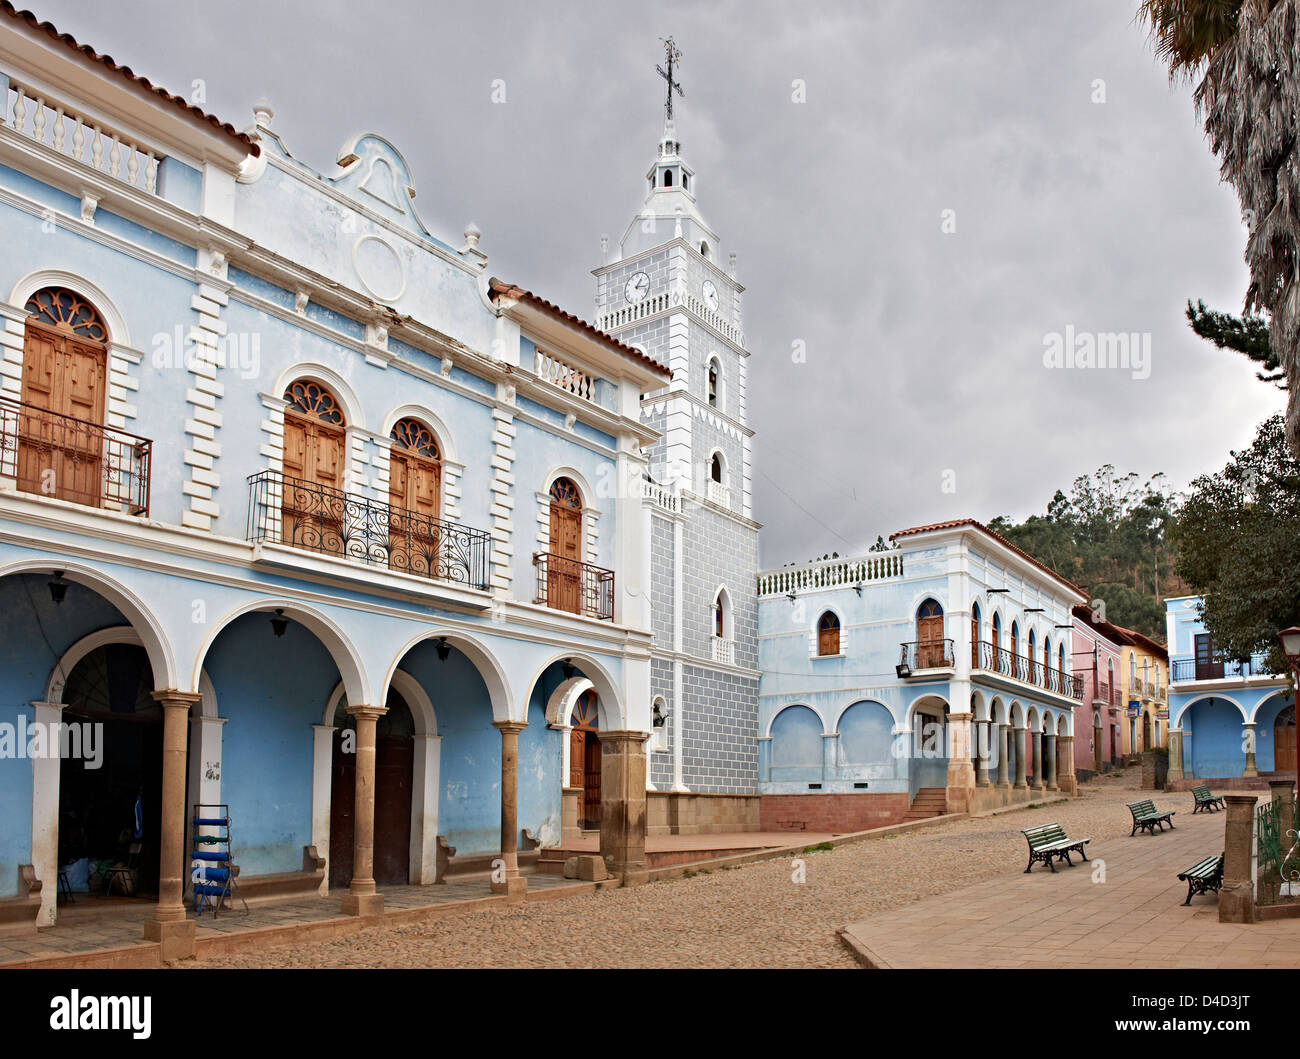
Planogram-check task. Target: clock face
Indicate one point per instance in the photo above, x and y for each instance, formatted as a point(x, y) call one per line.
point(637, 288)
point(710, 293)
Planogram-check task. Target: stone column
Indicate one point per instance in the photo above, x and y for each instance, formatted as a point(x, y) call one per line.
point(1237, 897)
point(361, 898)
point(45, 816)
point(510, 881)
point(623, 805)
point(1004, 744)
point(169, 927)
point(1049, 758)
point(1065, 764)
point(1249, 740)
point(830, 755)
point(961, 773)
point(1018, 742)
point(1037, 780)
point(1175, 754)
point(982, 753)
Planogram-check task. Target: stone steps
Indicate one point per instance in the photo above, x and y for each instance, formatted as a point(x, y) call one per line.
point(929, 801)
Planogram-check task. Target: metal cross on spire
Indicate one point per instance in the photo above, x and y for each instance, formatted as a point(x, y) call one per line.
point(673, 56)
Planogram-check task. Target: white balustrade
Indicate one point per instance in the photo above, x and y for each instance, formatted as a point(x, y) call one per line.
point(564, 376)
point(829, 573)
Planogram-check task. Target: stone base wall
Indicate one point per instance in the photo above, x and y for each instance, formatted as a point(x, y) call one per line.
point(687, 813)
point(837, 813)
point(985, 799)
point(1219, 783)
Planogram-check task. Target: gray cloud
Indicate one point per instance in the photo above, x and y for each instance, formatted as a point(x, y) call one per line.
point(924, 348)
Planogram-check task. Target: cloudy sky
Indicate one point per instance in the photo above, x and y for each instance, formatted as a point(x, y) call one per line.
point(1084, 201)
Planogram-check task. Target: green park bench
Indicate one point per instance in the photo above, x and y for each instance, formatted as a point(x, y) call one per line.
point(1203, 876)
point(1206, 800)
point(1049, 840)
point(1148, 817)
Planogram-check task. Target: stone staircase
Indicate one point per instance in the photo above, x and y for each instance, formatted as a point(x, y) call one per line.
point(929, 801)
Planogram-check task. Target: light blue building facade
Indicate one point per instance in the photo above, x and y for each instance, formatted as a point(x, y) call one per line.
point(920, 669)
point(282, 472)
point(1226, 719)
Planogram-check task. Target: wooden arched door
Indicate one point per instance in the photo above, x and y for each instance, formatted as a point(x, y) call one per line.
point(584, 759)
point(415, 497)
point(65, 372)
point(564, 568)
point(929, 635)
point(314, 507)
point(394, 779)
point(1284, 749)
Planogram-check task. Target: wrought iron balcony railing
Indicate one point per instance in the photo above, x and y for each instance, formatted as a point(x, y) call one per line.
point(72, 459)
point(1000, 660)
point(1217, 668)
point(316, 518)
point(927, 654)
point(579, 588)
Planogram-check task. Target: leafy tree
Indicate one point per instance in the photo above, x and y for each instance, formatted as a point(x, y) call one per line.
point(1107, 536)
point(1247, 54)
point(1245, 334)
point(1238, 544)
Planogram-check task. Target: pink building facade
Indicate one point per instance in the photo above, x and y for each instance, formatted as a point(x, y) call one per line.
point(1097, 719)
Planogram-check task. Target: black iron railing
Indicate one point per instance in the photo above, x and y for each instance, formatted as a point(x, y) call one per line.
point(316, 518)
point(1217, 668)
point(74, 459)
point(928, 654)
point(1000, 660)
point(580, 588)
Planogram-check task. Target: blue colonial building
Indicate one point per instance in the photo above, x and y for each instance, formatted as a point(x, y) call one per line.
point(1227, 719)
point(932, 677)
point(314, 517)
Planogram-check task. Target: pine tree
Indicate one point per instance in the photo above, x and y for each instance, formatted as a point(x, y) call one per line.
point(1246, 334)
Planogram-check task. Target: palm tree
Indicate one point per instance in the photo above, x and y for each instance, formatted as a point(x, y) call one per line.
point(1247, 54)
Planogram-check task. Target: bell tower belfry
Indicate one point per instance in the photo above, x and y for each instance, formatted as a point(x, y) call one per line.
point(665, 290)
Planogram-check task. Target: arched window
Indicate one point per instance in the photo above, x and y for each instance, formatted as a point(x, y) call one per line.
point(975, 635)
point(668, 178)
point(722, 626)
point(564, 565)
point(65, 374)
point(1132, 669)
point(716, 469)
point(686, 181)
point(704, 246)
point(997, 631)
point(713, 384)
point(828, 634)
point(314, 463)
point(415, 496)
point(929, 635)
point(1047, 655)
point(1060, 657)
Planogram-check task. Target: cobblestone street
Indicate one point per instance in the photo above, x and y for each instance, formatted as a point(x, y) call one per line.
point(753, 916)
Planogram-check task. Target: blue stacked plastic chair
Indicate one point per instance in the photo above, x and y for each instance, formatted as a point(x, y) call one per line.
point(212, 874)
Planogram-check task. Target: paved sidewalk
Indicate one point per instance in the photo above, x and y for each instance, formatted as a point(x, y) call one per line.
point(1135, 918)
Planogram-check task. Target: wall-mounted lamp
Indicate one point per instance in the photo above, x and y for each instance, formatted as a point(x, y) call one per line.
point(995, 591)
point(858, 588)
point(1034, 610)
point(790, 596)
point(566, 667)
point(279, 622)
point(903, 670)
point(58, 587)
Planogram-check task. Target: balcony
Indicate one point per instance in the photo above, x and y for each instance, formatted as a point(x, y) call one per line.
point(926, 654)
point(72, 459)
point(1217, 668)
point(719, 494)
point(724, 651)
point(579, 588)
point(1110, 694)
point(316, 518)
point(994, 659)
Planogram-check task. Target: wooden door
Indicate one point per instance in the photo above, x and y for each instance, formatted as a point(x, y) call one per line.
point(64, 376)
point(929, 647)
point(828, 635)
point(314, 505)
point(1284, 742)
point(577, 757)
point(415, 499)
point(591, 782)
point(564, 567)
point(1206, 666)
point(343, 792)
point(394, 759)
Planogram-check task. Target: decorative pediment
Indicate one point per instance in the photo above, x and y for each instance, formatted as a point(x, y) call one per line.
point(375, 173)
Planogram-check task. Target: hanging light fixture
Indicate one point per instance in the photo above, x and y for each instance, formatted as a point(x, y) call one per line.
point(443, 648)
point(567, 668)
point(58, 587)
point(279, 622)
